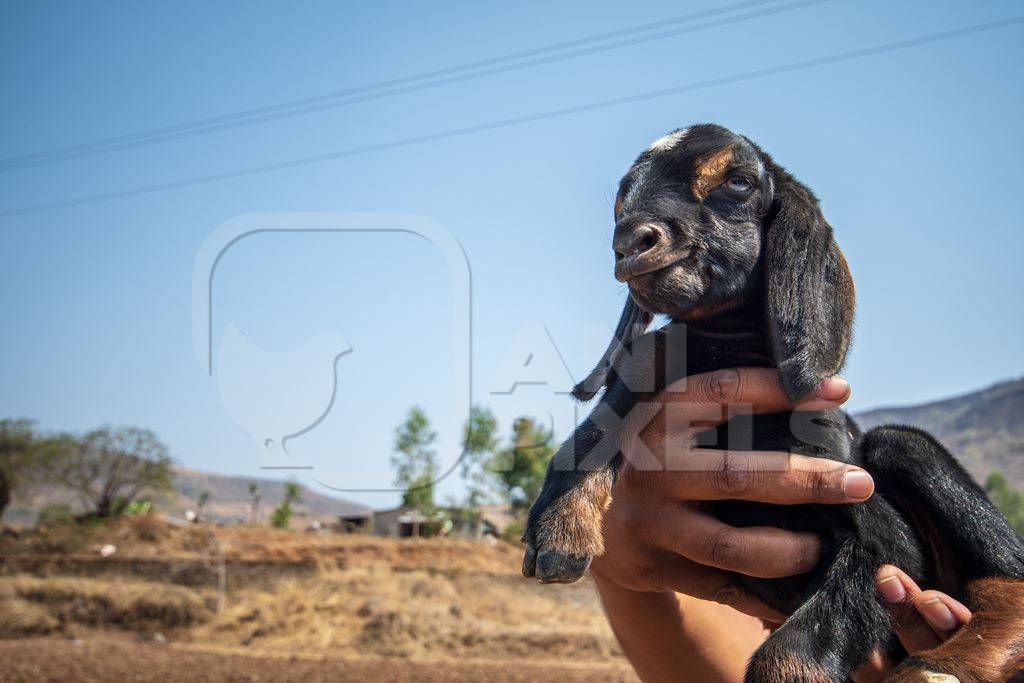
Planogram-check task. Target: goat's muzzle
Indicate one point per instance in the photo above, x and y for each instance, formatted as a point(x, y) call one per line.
point(640, 248)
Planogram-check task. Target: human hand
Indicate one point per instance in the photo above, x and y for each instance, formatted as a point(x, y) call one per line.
point(921, 619)
point(657, 537)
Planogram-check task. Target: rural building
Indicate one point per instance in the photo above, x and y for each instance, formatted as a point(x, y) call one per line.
point(404, 521)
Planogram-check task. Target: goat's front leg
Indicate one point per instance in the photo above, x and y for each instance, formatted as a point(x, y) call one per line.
point(563, 531)
point(834, 630)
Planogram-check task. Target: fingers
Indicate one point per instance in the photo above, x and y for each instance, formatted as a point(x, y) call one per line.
point(922, 619)
point(899, 591)
point(944, 614)
point(764, 552)
point(764, 477)
point(758, 388)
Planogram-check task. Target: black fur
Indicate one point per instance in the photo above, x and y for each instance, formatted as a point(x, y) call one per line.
point(750, 275)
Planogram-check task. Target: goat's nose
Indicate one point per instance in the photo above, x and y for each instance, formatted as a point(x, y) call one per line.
point(635, 241)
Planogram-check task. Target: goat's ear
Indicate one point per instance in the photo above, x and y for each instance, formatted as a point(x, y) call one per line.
point(632, 324)
point(809, 290)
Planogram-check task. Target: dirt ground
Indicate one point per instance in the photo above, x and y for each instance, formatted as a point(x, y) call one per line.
point(250, 603)
point(59, 659)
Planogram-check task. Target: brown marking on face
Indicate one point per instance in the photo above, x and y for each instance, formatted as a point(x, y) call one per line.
point(990, 648)
point(618, 206)
point(572, 524)
point(710, 172)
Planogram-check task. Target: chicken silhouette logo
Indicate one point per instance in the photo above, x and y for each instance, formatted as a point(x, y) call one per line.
point(277, 396)
point(274, 397)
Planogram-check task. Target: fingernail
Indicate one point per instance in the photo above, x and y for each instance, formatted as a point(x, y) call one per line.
point(858, 485)
point(938, 615)
point(833, 389)
point(892, 590)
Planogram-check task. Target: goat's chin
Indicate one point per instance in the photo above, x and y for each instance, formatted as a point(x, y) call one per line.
point(672, 291)
point(681, 293)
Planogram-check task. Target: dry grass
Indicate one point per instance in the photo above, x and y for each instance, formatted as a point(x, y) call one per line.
point(148, 537)
point(94, 602)
point(416, 614)
point(20, 619)
point(357, 596)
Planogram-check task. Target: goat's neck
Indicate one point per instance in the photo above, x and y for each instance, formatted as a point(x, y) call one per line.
point(738, 337)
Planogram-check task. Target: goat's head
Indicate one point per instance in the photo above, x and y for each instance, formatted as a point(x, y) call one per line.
point(706, 224)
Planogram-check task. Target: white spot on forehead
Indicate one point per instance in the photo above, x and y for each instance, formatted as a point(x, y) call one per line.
point(667, 142)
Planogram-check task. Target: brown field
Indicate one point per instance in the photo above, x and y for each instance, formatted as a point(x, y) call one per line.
point(294, 606)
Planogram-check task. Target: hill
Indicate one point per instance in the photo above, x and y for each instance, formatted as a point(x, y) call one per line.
point(230, 500)
point(984, 429)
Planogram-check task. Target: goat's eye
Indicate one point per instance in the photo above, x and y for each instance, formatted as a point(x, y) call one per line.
point(739, 185)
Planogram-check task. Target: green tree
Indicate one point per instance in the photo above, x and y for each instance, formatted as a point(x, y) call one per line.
point(1009, 500)
point(415, 460)
point(18, 446)
point(254, 505)
point(479, 447)
point(108, 468)
point(201, 502)
point(281, 517)
point(520, 468)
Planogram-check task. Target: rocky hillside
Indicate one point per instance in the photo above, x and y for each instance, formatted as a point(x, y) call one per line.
point(984, 429)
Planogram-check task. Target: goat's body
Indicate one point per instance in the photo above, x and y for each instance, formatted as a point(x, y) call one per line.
point(837, 618)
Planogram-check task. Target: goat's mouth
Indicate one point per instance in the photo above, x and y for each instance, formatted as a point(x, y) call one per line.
point(631, 267)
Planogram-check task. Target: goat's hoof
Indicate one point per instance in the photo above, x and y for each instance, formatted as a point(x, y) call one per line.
point(530, 561)
point(553, 566)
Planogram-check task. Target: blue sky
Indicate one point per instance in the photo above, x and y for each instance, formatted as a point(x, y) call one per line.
point(914, 154)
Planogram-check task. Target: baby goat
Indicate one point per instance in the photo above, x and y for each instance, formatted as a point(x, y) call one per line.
point(712, 233)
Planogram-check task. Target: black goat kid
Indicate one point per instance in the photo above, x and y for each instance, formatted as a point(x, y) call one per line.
point(712, 233)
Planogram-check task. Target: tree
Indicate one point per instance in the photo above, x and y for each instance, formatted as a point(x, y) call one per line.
point(108, 468)
point(201, 502)
point(479, 446)
point(20, 451)
point(254, 506)
point(521, 467)
point(414, 460)
point(1010, 501)
point(281, 517)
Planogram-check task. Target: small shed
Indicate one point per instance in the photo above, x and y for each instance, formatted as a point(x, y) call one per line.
point(403, 521)
point(361, 522)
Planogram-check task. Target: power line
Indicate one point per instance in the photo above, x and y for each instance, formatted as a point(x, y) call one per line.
point(519, 120)
point(399, 86)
